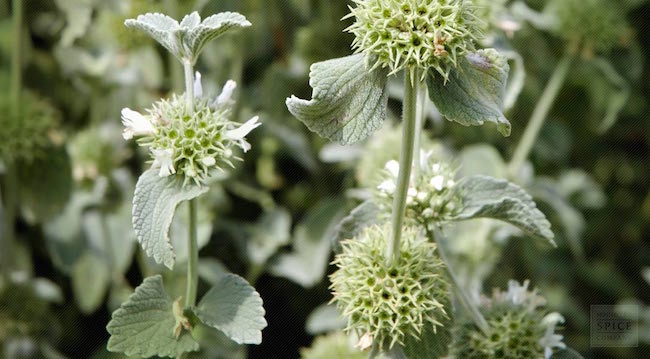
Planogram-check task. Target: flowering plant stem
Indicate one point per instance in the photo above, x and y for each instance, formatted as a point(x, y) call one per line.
point(540, 113)
point(420, 116)
point(409, 131)
point(462, 295)
point(16, 54)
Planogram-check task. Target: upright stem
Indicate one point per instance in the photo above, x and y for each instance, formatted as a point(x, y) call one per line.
point(193, 260)
point(9, 190)
point(16, 56)
point(189, 84)
point(462, 295)
point(405, 162)
point(420, 116)
point(539, 115)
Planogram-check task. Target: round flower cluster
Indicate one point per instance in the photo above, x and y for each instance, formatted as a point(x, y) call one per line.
point(386, 302)
point(518, 327)
point(27, 127)
point(496, 16)
point(189, 142)
point(427, 34)
point(589, 24)
point(430, 198)
point(335, 345)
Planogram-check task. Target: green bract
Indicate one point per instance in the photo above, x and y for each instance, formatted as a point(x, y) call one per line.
point(591, 24)
point(189, 142)
point(518, 327)
point(427, 34)
point(388, 303)
point(26, 127)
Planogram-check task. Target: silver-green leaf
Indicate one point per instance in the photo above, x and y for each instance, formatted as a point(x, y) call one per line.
point(154, 202)
point(475, 90)
point(235, 308)
point(199, 34)
point(364, 215)
point(144, 325)
point(348, 101)
point(161, 28)
point(487, 197)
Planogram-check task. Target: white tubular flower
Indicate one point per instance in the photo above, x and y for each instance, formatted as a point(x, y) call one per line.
point(393, 167)
point(240, 133)
point(198, 88)
point(208, 161)
point(516, 292)
point(226, 93)
point(135, 124)
point(551, 340)
point(163, 159)
point(387, 187)
point(365, 342)
point(438, 182)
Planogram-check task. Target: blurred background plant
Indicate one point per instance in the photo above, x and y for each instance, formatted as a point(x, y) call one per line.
point(69, 255)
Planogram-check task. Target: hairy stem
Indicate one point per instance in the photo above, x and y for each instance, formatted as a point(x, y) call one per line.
point(462, 295)
point(420, 116)
point(16, 55)
point(193, 260)
point(405, 163)
point(189, 84)
point(540, 113)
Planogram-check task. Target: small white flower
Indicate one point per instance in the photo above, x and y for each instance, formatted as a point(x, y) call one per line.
point(163, 159)
point(516, 292)
point(226, 93)
point(387, 186)
point(422, 196)
point(412, 192)
point(208, 161)
point(365, 342)
point(438, 182)
point(239, 133)
point(135, 124)
point(450, 183)
point(227, 152)
point(427, 213)
point(198, 88)
point(551, 340)
point(436, 167)
point(392, 166)
point(424, 158)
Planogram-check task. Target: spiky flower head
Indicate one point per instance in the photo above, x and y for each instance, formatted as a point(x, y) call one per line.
point(430, 198)
point(386, 302)
point(518, 327)
point(336, 345)
point(190, 142)
point(589, 24)
point(424, 34)
point(27, 129)
point(496, 17)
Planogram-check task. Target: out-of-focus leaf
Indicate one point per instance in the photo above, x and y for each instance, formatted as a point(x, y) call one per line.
point(307, 264)
point(90, 280)
point(474, 92)
point(580, 188)
point(325, 318)
point(487, 197)
point(179, 230)
point(233, 307)
point(40, 202)
point(482, 159)
point(567, 353)
point(111, 234)
point(516, 82)
point(270, 233)
point(154, 202)
point(78, 14)
point(145, 324)
point(364, 215)
point(211, 270)
point(348, 102)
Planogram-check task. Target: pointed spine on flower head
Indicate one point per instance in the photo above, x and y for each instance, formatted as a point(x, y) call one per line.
point(135, 124)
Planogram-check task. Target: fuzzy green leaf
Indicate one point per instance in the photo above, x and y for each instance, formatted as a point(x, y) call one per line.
point(198, 35)
point(235, 308)
point(475, 90)
point(154, 202)
point(348, 102)
point(487, 197)
point(161, 28)
point(364, 215)
point(144, 325)
point(90, 280)
point(567, 353)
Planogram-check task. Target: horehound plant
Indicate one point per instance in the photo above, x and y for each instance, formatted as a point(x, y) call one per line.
point(394, 284)
point(190, 137)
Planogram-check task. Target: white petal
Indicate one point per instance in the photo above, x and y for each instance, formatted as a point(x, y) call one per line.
point(393, 167)
point(387, 186)
point(135, 124)
point(198, 88)
point(438, 182)
point(243, 130)
point(163, 158)
point(226, 93)
point(208, 161)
